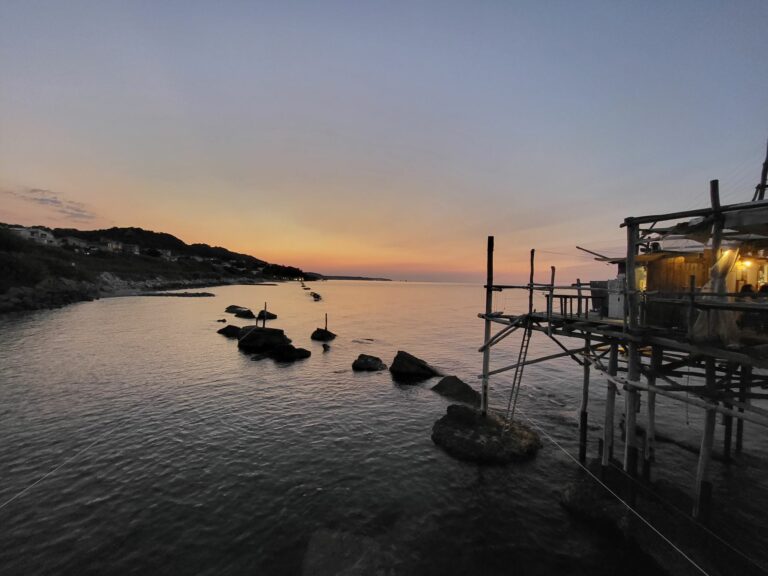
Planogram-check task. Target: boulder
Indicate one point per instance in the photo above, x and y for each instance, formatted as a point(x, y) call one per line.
point(232, 308)
point(366, 363)
point(322, 335)
point(266, 315)
point(466, 434)
point(245, 313)
point(409, 369)
point(326, 347)
point(456, 389)
point(230, 331)
point(256, 339)
point(288, 353)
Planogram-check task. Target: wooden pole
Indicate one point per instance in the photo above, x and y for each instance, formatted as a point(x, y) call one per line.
point(691, 309)
point(745, 381)
point(727, 418)
point(530, 284)
point(550, 301)
point(633, 363)
point(610, 405)
point(488, 310)
point(264, 318)
point(326, 321)
point(584, 402)
point(703, 484)
point(649, 455)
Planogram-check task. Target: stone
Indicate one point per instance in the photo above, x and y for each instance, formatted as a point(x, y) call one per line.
point(456, 389)
point(326, 347)
point(322, 335)
point(466, 434)
point(221, 320)
point(232, 308)
point(408, 369)
point(230, 331)
point(258, 340)
point(288, 353)
point(367, 363)
point(266, 314)
point(245, 313)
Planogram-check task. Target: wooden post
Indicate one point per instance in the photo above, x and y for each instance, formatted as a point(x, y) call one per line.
point(584, 402)
point(610, 405)
point(488, 306)
point(745, 381)
point(630, 407)
point(326, 321)
point(578, 293)
point(264, 318)
point(703, 484)
point(550, 301)
point(530, 284)
point(649, 455)
point(727, 418)
point(691, 309)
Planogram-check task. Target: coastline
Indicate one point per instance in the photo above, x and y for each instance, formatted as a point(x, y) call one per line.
point(57, 292)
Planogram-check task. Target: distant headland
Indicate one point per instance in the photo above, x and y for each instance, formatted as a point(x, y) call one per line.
point(48, 267)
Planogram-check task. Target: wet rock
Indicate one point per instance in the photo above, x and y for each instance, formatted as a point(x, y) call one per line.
point(326, 347)
point(322, 335)
point(288, 353)
point(259, 340)
point(408, 369)
point(266, 315)
point(367, 363)
point(230, 331)
point(232, 308)
point(456, 389)
point(465, 434)
point(245, 313)
point(221, 320)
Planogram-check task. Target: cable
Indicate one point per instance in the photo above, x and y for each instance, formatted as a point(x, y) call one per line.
point(628, 507)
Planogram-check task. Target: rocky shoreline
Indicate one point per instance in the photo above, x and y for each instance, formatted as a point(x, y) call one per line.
point(58, 292)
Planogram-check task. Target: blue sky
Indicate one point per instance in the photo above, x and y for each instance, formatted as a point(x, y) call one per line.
point(380, 138)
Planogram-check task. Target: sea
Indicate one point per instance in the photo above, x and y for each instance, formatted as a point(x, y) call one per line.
point(134, 439)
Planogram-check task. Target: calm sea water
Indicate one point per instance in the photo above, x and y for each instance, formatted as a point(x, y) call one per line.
point(136, 440)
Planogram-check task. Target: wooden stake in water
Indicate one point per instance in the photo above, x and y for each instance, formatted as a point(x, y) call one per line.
point(488, 305)
point(326, 321)
point(264, 317)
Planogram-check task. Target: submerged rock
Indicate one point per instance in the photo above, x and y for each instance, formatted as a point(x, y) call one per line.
point(409, 369)
point(221, 320)
point(230, 331)
point(456, 389)
point(326, 347)
point(288, 353)
point(256, 339)
point(367, 363)
point(322, 335)
point(465, 434)
point(266, 315)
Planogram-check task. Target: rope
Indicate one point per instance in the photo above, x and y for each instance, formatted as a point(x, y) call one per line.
point(626, 505)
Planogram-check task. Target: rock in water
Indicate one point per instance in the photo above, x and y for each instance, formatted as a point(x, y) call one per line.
point(230, 331)
point(456, 389)
point(259, 340)
point(221, 320)
point(266, 314)
point(408, 369)
point(326, 347)
point(288, 353)
point(232, 308)
point(465, 434)
point(366, 363)
point(244, 313)
point(322, 335)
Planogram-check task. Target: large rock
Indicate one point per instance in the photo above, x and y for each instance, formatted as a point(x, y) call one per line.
point(456, 389)
point(266, 314)
point(466, 434)
point(366, 363)
point(232, 308)
point(288, 353)
point(230, 331)
point(258, 339)
point(322, 335)
point(407, 368)
point(245, 313)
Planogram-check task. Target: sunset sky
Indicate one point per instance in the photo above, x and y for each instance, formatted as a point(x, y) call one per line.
point(380, 138)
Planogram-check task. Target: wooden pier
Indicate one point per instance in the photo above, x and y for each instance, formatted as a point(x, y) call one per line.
point(674, 323)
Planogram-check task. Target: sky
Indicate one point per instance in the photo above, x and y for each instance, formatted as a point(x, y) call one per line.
point(381, 138)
